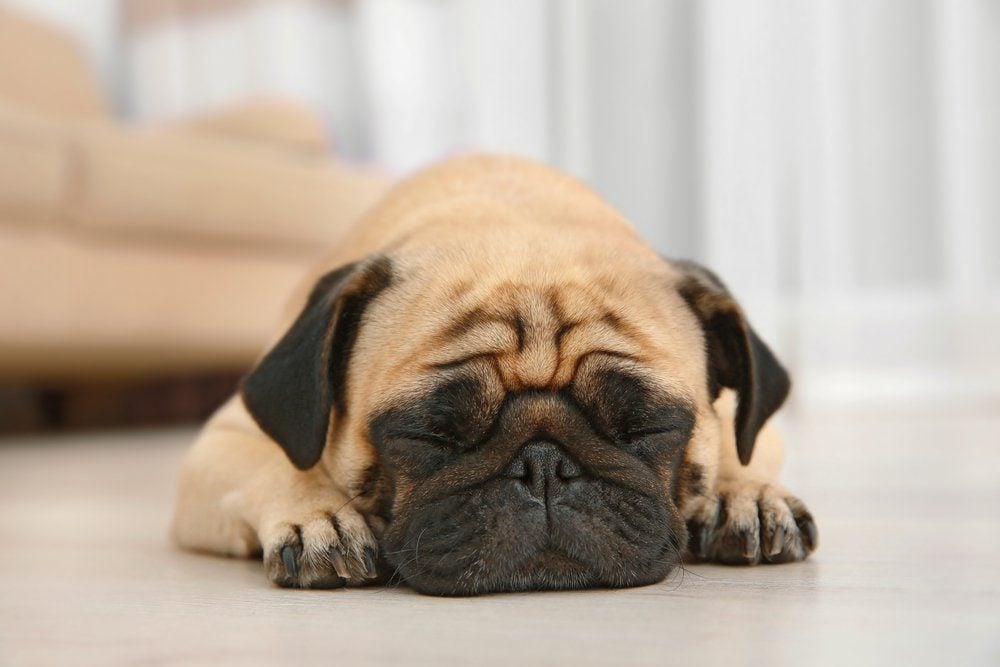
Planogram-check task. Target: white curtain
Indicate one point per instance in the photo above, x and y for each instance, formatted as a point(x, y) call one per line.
point(836, 161)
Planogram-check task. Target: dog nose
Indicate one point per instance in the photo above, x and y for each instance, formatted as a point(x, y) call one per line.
point(544, 470)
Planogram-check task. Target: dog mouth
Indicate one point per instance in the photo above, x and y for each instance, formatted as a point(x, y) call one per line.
point(501, 542)
point(548, 569)
point(549, 562)
point(553, 559)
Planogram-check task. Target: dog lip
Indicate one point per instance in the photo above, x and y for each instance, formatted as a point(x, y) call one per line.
point(551, 556)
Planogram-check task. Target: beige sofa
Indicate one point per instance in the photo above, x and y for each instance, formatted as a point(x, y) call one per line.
point(131, 252)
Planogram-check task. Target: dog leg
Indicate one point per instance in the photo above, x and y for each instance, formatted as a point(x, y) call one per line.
point(746, 516)
point(241, 496)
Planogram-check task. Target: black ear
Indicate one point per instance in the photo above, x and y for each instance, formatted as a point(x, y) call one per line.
point(297, 389)
point(737, 357)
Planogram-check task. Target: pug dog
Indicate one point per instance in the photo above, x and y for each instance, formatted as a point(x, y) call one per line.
point(494, 384)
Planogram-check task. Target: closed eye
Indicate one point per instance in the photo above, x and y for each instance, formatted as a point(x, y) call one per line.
point(672, 421)
point(428, 437)
point(462, 361)
point(654, 430)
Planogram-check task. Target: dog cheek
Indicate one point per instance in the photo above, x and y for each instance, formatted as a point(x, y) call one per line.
point(398, 516)
point(429, 546)
point(683, 480)
point(468, 543)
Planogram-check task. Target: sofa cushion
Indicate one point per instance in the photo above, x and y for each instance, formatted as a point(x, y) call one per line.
point(181, 185)
point(107, 307)
point(35, 172)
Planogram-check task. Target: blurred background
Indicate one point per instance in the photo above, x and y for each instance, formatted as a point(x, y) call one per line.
point(169, 168)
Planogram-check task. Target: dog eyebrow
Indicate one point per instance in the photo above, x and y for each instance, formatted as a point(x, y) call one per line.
point(492, 356)
point(461, 361)
point(607, 353)
point(479, 317)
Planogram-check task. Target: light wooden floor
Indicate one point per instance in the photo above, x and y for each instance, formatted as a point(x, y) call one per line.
point(908, 572)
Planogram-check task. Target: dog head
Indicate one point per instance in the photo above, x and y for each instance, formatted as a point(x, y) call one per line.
point(515, 418)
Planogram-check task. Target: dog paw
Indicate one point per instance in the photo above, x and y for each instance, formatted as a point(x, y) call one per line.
point(746, 523)
point(322, 549)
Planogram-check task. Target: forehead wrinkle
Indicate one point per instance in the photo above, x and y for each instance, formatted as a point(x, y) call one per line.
point(535, 336)
point(597, 299)
point(478, 317)
point(532, 364)
point(485, 341)
point(578, 340)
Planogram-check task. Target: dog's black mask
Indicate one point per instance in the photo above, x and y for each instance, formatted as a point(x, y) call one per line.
point(534, 489)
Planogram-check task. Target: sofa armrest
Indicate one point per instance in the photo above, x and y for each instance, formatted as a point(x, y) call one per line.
point(187, 186)
point(35, 168)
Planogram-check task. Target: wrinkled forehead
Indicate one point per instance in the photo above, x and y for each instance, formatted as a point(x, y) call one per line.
point(536, 337)
point(539, 335)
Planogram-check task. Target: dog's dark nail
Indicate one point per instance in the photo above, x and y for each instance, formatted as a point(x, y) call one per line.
point(777, 541)
point(338, 563)
point(369, 563)
point(704, 538)
point(749, 546)
point(810, 536)
point(288, 558)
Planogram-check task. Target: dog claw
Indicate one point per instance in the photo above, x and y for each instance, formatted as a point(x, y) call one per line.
point(810, 536)
point(777, 541)
point(339, 564)
point(369, 563)
point(749, 546)
point(290, 561)
point(704, 539)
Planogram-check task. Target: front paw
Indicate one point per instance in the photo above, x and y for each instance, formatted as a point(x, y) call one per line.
point(744, 523)
point(320, 549)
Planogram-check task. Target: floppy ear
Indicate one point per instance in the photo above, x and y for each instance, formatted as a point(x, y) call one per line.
point(297, 389)
point(737, 357)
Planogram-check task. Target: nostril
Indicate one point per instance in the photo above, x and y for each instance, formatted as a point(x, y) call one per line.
point(568, 469)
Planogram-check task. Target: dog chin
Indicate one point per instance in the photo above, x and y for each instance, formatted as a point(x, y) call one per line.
point(551, 551)
point(549, 569)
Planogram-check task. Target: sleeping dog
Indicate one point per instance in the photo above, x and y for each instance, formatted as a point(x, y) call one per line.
point(494, 384)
